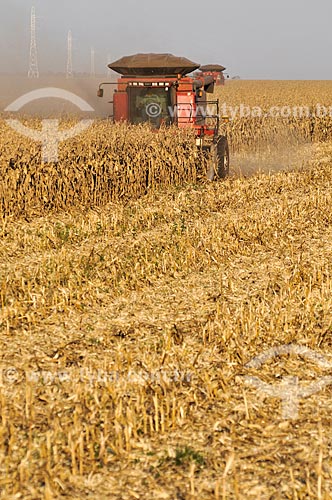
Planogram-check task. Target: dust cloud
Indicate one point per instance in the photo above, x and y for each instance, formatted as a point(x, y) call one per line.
point(271, 160)
point(14, 86)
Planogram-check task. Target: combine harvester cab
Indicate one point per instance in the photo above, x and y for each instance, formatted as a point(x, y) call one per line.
point(156, 88)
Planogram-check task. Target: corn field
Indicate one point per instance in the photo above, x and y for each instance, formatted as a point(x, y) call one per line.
point(112, 162)
point(304, 112)
point(140, 305)
point(109, 162)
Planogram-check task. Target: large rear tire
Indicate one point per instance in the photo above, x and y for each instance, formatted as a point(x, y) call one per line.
point(218, 167)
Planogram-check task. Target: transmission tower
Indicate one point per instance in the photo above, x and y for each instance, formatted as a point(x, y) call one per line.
point(93, 68)
point(69, 72)
point(33, 61)
point(109, 71)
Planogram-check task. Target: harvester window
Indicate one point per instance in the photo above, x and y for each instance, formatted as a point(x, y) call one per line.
point(149, 104)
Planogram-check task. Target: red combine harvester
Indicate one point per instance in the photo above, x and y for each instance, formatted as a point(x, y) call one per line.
point(156, 88)
point(214, 70)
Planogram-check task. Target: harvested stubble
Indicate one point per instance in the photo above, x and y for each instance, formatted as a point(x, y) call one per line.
point(106, 163)
point(129, 328)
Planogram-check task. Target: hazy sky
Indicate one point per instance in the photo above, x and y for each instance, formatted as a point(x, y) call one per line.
point(286, 39)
